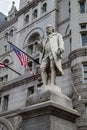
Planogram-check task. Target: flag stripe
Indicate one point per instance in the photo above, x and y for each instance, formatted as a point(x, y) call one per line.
point(23, 58)
point(2, 65)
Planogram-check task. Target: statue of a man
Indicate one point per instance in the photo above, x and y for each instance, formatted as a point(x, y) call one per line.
point(51, 52)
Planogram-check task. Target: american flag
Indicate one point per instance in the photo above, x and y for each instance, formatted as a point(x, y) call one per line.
point(23, 58)
point(2, 65)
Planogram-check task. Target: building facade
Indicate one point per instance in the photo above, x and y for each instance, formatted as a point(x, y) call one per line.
point(24, 28)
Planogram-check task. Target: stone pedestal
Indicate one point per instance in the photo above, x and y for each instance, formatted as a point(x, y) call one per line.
point(49, 93)
point(48, 109)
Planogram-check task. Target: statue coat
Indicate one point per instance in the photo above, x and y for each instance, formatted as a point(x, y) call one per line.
point(56, 43)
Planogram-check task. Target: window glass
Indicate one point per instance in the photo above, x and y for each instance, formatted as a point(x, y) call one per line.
point(6, 36)
point(30, 49)
point(11, 33)
point(5, 103)
point(84, 39)
point(82, 7)
point(30, 90)
point(44, 7)
point(27, 18)
point(5, 48)
point(83, 26)
point(85, 72)
point(35, 13)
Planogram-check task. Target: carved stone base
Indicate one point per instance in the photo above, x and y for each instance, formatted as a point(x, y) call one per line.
point(49, 93)
point(48, 109)
point(48, 116)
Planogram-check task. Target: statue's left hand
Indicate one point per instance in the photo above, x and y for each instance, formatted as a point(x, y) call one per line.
point(59, 51)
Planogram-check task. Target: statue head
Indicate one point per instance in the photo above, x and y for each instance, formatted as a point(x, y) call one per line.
point(49, 29)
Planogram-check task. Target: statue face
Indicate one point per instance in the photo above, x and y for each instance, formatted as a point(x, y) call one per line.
point(49, 30)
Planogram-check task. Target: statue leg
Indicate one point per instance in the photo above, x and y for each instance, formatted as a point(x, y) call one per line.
point(44, 76)
point(53, 72)
point(43, 72)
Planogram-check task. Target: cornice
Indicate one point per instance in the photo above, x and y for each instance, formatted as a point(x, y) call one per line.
point(7, 24)
point(77, 53)
point(28, 6)
point(66, 65)
point(18, 82)
point(73, 55)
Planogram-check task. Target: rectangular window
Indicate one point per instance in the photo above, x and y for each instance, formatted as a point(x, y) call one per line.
point(83, 26)
point(84, 39)
point(85, 72)
point(4, 79)
point(5, 48)
point(39, 85)
point(5, 102)
point(30, 90)
point(82, 7)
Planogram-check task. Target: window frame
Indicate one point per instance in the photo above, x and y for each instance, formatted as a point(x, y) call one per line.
point(82, 6)
point(5, 103)
point(44, 7)
point(26, 18)
point(84, 39)
point(84, 71)
point(30, 90)
point(35, 13)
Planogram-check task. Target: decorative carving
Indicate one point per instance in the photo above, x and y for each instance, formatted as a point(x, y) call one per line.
point(5, 124)
point(17, 122)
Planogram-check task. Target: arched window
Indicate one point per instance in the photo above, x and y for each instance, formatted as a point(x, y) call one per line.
point(44, 8)
point(26, 18)
point(11, 33)
point(6, 61)
point(6, 35)
point(35, 13)
point(32, 48)
point(5, 48)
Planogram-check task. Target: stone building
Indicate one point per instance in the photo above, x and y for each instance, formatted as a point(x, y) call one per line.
point(24, 28)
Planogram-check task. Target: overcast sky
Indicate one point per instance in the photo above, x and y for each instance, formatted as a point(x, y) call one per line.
point(5, 5)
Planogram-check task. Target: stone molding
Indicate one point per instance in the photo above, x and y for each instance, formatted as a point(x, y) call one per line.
point(73, 55)
point(48, 107)
point(66, 65)
point(77, 53)
point(18, 82)
point(6, 123)
point(28, 6)
point(7, 24)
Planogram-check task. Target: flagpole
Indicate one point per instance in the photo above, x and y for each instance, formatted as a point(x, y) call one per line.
point(24, 53)
point(11, 69)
